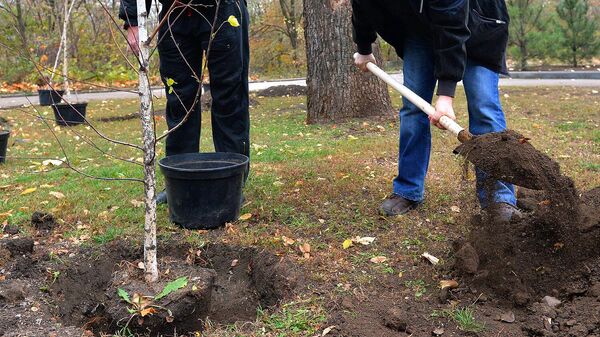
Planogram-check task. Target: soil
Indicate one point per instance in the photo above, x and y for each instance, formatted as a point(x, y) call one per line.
point(43, 222)
point(78, 294)
point(282, 90)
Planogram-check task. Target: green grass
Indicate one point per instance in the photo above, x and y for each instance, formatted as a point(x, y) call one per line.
point(319, 184)
point(466, 321)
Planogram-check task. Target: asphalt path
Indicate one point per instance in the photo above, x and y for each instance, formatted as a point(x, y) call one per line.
point(18, 101)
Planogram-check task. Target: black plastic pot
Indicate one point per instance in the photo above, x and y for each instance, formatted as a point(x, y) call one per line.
point(49, 96)
point(204, 190)
point(69, 114)
point(3, 144)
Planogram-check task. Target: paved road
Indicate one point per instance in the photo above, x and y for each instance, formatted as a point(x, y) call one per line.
point(8, 102)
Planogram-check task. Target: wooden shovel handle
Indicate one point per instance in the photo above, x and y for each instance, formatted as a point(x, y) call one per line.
point(461, 133)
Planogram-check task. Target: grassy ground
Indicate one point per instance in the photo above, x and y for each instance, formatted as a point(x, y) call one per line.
point(315, 184)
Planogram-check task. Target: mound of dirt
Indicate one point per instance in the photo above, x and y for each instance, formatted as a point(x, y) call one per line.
point(282, 90)
point(538, 255)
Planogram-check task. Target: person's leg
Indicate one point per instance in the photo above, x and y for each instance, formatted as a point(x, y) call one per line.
point(415, 134)
point(486, 115)
point(180, 59)
point(228, 66)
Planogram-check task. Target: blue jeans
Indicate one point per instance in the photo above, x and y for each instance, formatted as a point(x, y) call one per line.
point(485, 115)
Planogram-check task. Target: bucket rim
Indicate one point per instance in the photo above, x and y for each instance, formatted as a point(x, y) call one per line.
point(164, 165)
point(60, 105)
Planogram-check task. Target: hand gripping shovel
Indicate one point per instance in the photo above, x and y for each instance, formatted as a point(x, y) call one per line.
point(503, 155)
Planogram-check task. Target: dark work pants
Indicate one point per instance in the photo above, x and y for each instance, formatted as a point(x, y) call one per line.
point(181, 47)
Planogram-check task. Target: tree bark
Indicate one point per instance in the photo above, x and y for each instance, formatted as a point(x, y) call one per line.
point(336, 89)
point(149, 145)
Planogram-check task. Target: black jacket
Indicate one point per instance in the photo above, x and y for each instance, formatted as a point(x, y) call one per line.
point(456, 28)
point(128, 9)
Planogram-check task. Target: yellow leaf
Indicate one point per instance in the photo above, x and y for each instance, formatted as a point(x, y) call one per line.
point(170, 82)
point(246, 216)
point(29, 190)
point(347, 243)
point(233, 21)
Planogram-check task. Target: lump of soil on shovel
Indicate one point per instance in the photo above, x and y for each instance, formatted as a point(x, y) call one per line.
point(86, 293)
point(509, 156)
point(43, 222)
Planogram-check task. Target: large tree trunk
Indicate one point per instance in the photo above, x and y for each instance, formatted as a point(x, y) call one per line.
point(336, 89)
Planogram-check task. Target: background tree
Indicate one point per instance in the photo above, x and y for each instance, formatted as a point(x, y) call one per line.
point(530, 31)
point(578, 30)
point(336, 89)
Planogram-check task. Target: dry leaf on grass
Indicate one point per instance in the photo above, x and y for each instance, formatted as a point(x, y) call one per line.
point(57, 195)
point(287, 241)
point(455, 209)
point(136, 203)
point(305, 249)
point(378, 259)
point(246, 216)
point(327, 330)
point(347, 244)
point(29, 190)
point(434, 260)
point(365, 240)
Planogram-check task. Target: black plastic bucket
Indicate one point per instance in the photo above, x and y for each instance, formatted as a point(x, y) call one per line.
point(4, 134)
point(69, 114)
point(204, 190)
point(49, 96)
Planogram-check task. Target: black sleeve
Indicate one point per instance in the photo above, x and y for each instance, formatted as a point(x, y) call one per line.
point(128, 12)
point(363, 32)
point(449, 21)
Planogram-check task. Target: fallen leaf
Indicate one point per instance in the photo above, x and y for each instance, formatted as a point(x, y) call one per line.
point(136, 203)
point(455, 209)
point(347, 244)
point(378, 259)
point(57, 195)
point(53, 162)
point(234, 263)
point(29, 190)
point(448, 284)
point(287, 241)
point(305, 249)
point(434, 260)
point(327, 330)
point(246, 216)
point(147, 312)
point(366, 240)
point(35, 309)
point(141, 265)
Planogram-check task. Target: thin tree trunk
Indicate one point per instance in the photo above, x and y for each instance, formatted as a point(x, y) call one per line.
point(149, 143)
point(66, 50)
point(336, 89)
point(22, 27)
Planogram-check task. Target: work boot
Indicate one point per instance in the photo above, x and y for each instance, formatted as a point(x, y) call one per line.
point(502, 212)
point(161, 198)
point(397, 205)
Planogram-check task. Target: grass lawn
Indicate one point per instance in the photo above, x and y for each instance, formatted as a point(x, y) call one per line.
point(316, 184)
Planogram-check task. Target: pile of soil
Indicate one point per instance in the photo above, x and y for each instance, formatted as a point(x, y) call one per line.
point(282, 90)
point(77, 295)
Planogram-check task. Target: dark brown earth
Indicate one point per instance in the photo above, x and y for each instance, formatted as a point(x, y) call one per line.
point(282, 90)
point(79, 293)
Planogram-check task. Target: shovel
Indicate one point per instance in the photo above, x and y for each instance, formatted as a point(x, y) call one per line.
point(461, 133)
point(506, 156)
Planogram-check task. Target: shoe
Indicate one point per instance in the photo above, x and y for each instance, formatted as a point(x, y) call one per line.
point(161, 198)
point(397, 205)
point(502, 212)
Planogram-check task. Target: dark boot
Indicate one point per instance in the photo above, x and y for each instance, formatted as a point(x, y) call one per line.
point(397, 205)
